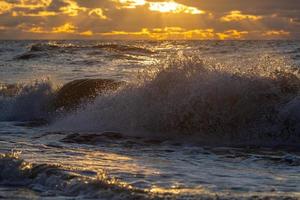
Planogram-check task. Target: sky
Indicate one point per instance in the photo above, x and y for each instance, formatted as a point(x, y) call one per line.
point(150, 19)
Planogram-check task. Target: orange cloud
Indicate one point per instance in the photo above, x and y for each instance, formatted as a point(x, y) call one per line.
point(38, 8)
point(86, 33)
point(239, 16)
point(131, 3)
point(4, 7)
point(98, 12)
point(72, 9)
point(28, 4)
point(232, 34)
point(67, 28)
point(38, 14)
point(168, 33)
point(278, 33)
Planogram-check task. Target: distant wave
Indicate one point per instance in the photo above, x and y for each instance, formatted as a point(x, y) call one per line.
point(63, 182)
point(39, 50)
point(256, 104)
point(106, 46)
point(123, 48)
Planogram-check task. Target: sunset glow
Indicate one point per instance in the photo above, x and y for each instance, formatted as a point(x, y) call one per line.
point(173, 7)
point(108, 19)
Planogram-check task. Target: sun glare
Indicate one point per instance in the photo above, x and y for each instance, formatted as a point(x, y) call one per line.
point(173, 7)
point(161, 6)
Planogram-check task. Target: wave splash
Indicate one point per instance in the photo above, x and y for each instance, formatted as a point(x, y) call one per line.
point(203, 98)
point(25, 102)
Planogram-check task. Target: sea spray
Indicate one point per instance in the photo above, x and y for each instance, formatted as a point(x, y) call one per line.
point(25, 102)
point(193, 96)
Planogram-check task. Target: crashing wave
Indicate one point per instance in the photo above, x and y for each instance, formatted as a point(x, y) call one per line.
point(41, 100)
point(26, 102)
point(213, 101)
point(256, 104)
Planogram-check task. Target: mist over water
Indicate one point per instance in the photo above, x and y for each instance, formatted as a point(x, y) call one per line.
point(191, 119)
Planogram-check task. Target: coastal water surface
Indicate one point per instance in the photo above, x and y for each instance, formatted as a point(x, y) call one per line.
point(188, 120)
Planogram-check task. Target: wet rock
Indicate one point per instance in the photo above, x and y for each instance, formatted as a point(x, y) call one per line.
point(74, 93)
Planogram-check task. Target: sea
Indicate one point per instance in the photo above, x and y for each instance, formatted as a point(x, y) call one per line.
point(187, 120)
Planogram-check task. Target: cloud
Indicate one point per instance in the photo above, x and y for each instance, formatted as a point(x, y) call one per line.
point(237, 15)
point(160, 6)
point(276, 33)
point(4, 7)
point(173, 7)
point(67, 28)
point(149, 19)
point(98, 12)
point(171, 33)
point(232, 34)
point(72, 8)
point(130, 3)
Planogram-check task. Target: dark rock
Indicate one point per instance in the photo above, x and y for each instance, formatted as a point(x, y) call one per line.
point(74, 93)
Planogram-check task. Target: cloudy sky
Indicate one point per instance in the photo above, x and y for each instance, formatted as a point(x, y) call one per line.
point(150, 19)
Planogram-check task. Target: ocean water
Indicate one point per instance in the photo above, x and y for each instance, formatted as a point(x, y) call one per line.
point(188, 120)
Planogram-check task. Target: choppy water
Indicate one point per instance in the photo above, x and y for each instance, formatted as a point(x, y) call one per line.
point(192, 120)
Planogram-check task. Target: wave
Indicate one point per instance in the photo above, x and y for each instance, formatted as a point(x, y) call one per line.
point(25, 102)
point(40, 101)
point(60, 181)
point(40, 50)
point(123, 48)
point(254, 102)
point(203, 99)
point(106, 46)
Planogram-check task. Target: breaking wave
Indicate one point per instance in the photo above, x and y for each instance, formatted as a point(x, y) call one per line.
point(256, 103)
point(25, 102)
point(252, 102)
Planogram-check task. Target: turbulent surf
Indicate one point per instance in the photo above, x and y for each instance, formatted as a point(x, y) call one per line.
point(127, 120)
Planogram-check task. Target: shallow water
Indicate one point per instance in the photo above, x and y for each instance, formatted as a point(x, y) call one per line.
point(178, 138)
